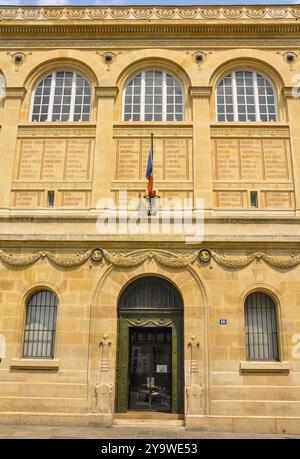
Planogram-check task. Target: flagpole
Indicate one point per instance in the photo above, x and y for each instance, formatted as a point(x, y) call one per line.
point(152, 144)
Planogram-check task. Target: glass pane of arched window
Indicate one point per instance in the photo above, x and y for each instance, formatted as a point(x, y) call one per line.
point(153, 96)
point(40, 325)
point(245, 96)
point(62, 96)
point(261, 327)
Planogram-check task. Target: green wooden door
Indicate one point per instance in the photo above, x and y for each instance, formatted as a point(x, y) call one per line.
point(122, 387)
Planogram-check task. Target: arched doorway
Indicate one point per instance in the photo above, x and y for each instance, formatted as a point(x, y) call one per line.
point(150, 347)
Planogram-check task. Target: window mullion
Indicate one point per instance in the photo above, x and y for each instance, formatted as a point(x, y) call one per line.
point(73, 94)
point(164, 98)
point(234, 95)
point(51, 99)
point(143, 97)
point(256, 98)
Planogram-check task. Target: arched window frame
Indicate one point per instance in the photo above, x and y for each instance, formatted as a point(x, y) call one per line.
point(255, 74)
point(274, 326)
point(164, 97)
point(53, 76)
point(28, 353)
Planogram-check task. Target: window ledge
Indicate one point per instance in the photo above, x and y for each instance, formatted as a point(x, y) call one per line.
point(264, 367)
point(35, 364)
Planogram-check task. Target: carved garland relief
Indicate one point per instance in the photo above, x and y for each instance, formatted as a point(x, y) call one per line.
point(127, 259)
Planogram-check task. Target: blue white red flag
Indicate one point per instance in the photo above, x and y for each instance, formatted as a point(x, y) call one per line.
point(149, 174)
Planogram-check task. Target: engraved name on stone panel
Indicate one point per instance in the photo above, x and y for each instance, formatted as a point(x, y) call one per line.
point(275, 199)
point(176, 159)
point(128, 159)
point(230, 199)
point(30, 159)
point(54, 160)
point(74, 199)
point(275, 159)
point(227, 159)
point(78, 159)
point(251, 159)
point(26, 199)
point(171, 159)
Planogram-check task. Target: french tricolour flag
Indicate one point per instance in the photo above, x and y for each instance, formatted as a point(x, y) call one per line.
point(149, 174)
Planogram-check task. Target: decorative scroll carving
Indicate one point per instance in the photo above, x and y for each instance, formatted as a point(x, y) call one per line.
point(146, 323)
point(163, 13)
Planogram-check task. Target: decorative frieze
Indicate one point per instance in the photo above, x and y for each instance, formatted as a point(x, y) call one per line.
point(130, 259)
point(167, 13)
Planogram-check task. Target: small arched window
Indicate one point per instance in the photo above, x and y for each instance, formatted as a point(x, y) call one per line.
point(61, 96)
point(40, 325)
point(261, 327)
point(153, 96)
point(245, 96)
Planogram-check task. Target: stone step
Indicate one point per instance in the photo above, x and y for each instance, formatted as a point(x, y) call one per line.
point(149, 423)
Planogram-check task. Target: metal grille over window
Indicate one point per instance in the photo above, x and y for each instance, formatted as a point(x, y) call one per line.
point(150, 293)
point(153, 96)
point(245, 96)
point(261, 328)
point(40, 325)
point(61, 96)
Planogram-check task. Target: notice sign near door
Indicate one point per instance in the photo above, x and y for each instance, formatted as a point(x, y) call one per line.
point(161, 368)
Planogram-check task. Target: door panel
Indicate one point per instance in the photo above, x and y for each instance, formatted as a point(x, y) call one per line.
point(150, 369)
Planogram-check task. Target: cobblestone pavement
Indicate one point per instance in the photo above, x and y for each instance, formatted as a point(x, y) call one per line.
point(45, 432)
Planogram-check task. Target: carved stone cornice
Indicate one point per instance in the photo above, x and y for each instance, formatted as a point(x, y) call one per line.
point(157, 13)
point(157, 20)
point(15, 92)
point(200, 92)
point(106, 92)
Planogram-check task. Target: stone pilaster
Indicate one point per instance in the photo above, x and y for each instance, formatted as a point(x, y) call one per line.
point(202, 144)
point(8, 139)
point(106, 96)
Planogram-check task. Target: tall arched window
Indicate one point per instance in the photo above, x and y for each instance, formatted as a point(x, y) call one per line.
point(40, 325)
point(61, 96)
point(261, 327)
point(245, 96)
point(153, 96)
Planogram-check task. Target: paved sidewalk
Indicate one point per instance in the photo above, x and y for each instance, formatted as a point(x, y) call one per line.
point(44, 432)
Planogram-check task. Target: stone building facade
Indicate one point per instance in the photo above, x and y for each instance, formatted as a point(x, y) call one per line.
point(82, 313)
